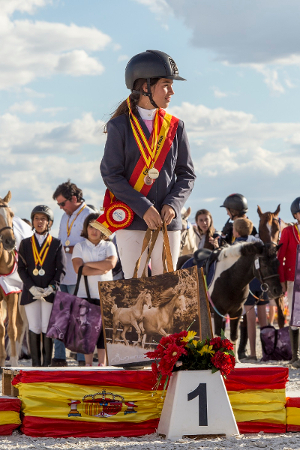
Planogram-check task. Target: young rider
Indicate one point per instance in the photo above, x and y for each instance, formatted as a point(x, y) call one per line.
point(147, 166)
point(287, 253)
point(41, 266)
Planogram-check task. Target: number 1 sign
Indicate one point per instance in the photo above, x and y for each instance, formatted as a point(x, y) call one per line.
point(196, 404)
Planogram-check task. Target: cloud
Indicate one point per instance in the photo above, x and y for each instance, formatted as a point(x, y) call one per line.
point(40, 49)
point(232, 142)
point(218, 93)
point(18, 137)
point(161, 9)
point(54, 110)
point(23, 107)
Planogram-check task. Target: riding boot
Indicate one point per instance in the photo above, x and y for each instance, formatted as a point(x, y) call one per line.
point(47, 350)
point(294, 337)
point(35, 348)
point(243, 338)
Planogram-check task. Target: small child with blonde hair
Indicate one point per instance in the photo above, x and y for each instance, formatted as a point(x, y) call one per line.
point(242, 228)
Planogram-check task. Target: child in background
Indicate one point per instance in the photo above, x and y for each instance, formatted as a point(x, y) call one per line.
point(242, 229)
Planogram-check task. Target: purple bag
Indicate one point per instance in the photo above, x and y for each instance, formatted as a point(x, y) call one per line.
point(276, 344)
point(76, 321)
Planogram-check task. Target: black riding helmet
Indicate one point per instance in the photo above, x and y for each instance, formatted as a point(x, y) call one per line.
point(150, 64)
point(237, 202)
point(43, 209)
point(295, 206)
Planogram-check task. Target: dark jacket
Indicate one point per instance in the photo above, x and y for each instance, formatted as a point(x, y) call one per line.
point(172, 187)
point(54, 266)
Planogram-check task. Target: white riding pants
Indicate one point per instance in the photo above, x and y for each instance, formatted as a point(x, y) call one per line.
point(130, 243)
point(38, 315)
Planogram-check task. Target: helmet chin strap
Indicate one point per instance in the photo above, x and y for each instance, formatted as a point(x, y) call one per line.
point(147, 94)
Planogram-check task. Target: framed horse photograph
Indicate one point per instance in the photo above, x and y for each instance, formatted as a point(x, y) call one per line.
point(136, 313)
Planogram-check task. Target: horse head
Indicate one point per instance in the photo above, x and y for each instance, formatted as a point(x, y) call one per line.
point(265, 268)
point(147, 300)
point(269, 225)
point(7, 237)
point(180, 303)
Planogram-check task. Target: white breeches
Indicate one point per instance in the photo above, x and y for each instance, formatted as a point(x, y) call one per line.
point(130, 243)
point(38, 315)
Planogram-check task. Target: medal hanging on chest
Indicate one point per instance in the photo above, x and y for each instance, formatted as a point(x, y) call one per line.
point(148, 152)
point(40, 256)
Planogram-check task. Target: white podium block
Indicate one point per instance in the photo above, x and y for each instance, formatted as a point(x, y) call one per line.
point(196, 403)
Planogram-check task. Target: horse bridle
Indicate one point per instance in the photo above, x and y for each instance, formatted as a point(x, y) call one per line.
point(264, 286)
point(4, 228)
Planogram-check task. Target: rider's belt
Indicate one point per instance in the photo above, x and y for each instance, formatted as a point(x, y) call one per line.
point(118, 215)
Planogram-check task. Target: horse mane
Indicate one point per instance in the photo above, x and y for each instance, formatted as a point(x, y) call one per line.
point(166, 302)
point(243, 249)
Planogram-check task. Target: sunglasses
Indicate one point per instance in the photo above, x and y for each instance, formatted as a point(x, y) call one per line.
point(62, 204)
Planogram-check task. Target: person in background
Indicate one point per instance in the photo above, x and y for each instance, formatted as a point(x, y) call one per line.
point(98, 257)
point(41, 266)
point(236, 207)
point(206, 236)
point(70, 199)
point(242, 229)
point(147, 165)
point(287, 253)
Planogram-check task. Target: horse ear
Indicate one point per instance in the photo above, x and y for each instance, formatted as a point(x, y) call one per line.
point(188, 212)
point(7, 198)
point(277, 211)
point(259, 211)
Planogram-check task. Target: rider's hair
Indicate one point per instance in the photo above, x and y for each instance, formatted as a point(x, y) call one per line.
point(211, 229)
point(90, 218)
point(243, 227)
point(122, 108)
point(68, 190)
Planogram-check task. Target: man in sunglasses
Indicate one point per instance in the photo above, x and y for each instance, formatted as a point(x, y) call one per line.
point(69, 198)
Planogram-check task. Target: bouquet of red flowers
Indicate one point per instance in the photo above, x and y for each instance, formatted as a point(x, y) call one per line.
point(181, 351)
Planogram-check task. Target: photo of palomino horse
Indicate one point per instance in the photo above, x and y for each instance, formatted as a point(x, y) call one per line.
point(131, 317)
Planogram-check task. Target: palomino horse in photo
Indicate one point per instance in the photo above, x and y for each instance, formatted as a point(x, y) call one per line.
point(269, 230)
point(159, 320)
point(7, 264)
point(236, 266)
point(131, 317)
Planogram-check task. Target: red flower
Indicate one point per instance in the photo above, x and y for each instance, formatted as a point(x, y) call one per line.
point(227, 344)
point(224, 362)
point(216, 343)
point(173, 353)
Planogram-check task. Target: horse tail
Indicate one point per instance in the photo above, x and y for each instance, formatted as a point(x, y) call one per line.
point(114, 309)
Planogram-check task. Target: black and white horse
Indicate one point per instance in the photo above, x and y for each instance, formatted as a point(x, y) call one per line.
point(236, 267)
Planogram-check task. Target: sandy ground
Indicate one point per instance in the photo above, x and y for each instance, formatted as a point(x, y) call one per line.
point(285, 441)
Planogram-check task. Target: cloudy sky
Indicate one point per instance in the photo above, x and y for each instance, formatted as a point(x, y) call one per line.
point(62, 73)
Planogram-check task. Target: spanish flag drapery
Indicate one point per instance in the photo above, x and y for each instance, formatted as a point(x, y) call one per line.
point(257, 396)
point(293, 414)
point(9, 415)
point(88, 403)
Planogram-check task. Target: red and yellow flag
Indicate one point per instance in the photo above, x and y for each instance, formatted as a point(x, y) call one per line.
point(257, 396)
point(9, 415)
point(106, 403)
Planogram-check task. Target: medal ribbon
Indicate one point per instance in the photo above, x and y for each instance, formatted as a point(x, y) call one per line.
point(39, 257)
point(148, 152)
point(69, 228)
point(297, 229)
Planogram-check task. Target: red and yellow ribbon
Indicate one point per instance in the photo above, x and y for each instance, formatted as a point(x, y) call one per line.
point(69, 228)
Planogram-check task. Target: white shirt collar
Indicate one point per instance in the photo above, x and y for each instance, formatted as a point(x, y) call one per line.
point(40, 237)
point(147, 114)
point(78, 209)
point(91, 245)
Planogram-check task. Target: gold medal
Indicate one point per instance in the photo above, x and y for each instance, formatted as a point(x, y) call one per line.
point(67, 243)
point(153, 173)
point(148, 181)
point(35, 272)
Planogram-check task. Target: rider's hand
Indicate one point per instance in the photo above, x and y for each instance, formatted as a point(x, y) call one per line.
point(214, 242)
point(167, 214)
point(47, 291)
point(37, 292)
point(152, 218)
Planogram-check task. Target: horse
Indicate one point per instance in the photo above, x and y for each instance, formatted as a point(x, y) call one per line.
point(188, 237)
point(236, 266)
point(269, 230)
point(159, 320)
point(7, 266)
point(131, 316)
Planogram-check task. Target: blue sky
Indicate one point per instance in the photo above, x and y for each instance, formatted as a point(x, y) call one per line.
point(62, 73)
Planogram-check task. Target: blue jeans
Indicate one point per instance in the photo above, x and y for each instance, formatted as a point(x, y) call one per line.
point(59, 346)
